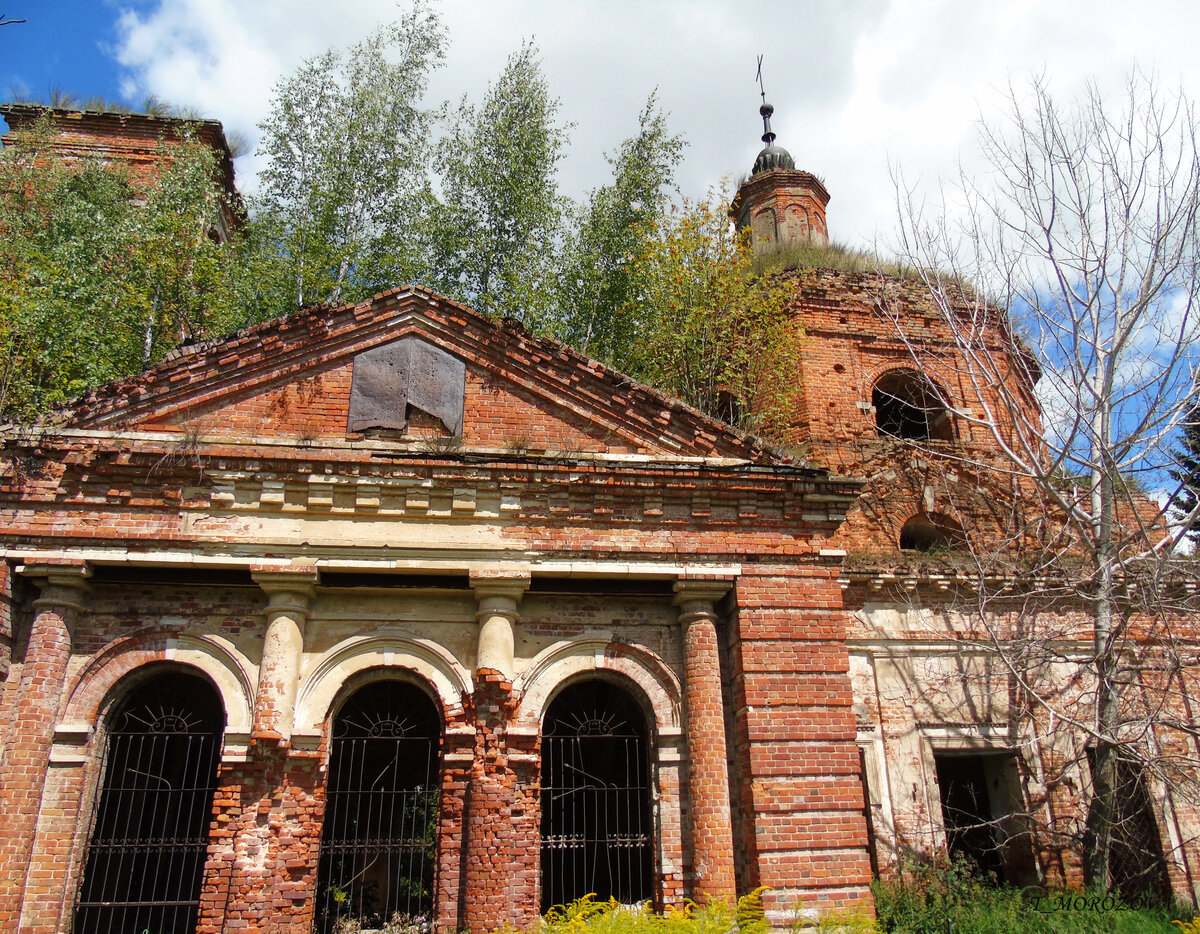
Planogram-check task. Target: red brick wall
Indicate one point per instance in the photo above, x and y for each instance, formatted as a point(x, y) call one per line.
point(237, 483)
point(800, 793)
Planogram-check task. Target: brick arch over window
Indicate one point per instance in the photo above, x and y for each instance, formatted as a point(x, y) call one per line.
point(448, 679)
point(597, 825)
point(656, 688)
point(931, 531)
point(229, 671)
point(555, 666)
point(382, 797)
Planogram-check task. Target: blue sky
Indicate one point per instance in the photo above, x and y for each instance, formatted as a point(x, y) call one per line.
point(63, 43)
point(859, 86)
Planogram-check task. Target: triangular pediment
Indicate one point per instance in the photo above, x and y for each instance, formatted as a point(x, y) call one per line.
point(411, 366)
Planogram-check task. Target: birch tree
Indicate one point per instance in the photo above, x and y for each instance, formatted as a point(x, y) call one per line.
point(598, 270)
point(700, 323)
point(499, 228)
point(348, 141)
point(101, 276)
point(1063, 281)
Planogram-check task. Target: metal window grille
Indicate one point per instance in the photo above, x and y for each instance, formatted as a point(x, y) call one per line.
point(597, 835)
point(1138, 866)
point(378, 840)
point(146, 856)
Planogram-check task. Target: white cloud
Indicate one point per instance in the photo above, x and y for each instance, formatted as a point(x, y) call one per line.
point(854, 82)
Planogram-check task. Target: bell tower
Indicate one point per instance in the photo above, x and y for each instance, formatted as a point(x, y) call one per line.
point(779, 204)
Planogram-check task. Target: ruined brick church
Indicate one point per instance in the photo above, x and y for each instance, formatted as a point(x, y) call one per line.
point(393, 611)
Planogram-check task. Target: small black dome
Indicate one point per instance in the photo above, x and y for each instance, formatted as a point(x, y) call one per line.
point(771, 158)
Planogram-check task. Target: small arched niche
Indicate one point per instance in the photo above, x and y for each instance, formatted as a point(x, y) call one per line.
point(909, 405)
point(931, 531)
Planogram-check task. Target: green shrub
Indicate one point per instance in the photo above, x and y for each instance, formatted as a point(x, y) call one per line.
point(717, 916)
point(927, 897)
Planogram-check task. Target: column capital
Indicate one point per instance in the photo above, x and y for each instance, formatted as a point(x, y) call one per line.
point(499, 590)
point(699, 597)
point(291, 589)
point(62, 583)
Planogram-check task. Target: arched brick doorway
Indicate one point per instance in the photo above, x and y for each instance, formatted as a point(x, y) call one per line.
point(378, 839)
point(597, 821)
point(150, 835)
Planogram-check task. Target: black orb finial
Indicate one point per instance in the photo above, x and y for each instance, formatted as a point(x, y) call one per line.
point(766, 110)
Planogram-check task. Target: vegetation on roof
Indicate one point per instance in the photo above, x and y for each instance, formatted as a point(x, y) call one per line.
point(804, 254)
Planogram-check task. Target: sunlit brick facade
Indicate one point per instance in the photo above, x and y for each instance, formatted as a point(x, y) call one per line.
point(391, 609)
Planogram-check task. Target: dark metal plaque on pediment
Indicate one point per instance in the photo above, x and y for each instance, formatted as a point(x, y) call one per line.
point(406, 372)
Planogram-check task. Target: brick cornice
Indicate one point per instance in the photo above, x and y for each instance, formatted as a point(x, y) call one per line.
point(144, 478)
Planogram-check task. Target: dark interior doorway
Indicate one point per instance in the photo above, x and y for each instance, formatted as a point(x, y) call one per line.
point(597, 835)
point(146, 856)
point(381, 806)
point(983, 813)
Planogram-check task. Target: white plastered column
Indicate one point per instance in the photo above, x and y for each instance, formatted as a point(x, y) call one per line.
point(498, 592)
point(290, 604)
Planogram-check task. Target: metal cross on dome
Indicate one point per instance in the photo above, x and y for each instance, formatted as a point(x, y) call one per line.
point(766, 109)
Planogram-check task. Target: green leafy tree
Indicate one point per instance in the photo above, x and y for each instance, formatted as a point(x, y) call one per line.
point(598, 278)
point(704, 326)
point(100, 276)
point(347, 180)
point(500, 224)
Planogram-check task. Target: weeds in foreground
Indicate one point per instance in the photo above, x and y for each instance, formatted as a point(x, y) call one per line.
point(935, 898)
point(928, 899)
point(587, 916)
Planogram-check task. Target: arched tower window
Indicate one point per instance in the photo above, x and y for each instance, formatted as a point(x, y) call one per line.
point(381, 805)
point(931, 531)
point(150, 837)
point(597, 832)
point(907, 405)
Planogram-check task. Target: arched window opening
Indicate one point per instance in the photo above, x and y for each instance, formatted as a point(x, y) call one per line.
point(1137, 864)
point(931, 531)
point(378, 840)
point(146, 856)
point(597, 831)
point(909, 406)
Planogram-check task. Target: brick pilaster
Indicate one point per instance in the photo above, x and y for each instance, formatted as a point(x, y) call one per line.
point(31, 733)
point(708, 773)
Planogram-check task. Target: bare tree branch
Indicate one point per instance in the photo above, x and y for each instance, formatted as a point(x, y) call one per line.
point(1063, 279)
